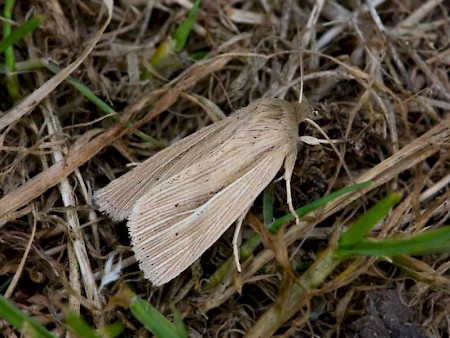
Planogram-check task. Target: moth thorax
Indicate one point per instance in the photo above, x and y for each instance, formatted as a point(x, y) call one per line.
point(302, 111)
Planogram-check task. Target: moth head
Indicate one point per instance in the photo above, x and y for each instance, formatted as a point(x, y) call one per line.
point(303, 110)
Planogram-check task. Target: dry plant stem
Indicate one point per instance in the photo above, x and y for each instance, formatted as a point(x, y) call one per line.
point(407, 157)
point(416, 17)
point(285, 18)
point(360, 76)
point(248, 17)
point(279, 313)
point(361, 101)
point(309, 36)
point(76, 248)
point(335, 12)
point(390, 118)
point(436, 82)
point(442, 183)
point(92, 215)
point(31, 101)
point(23, 108)
point(77, 252)
point(211, 109)
point(19, 270)
point(80, 155)
point(376, 18)
point(417, 269)
point(433, 102)
point(330, 142)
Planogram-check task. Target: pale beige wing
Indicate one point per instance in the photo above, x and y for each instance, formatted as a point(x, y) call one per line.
point(262, 124)
point(119, 196)
point(173, 224)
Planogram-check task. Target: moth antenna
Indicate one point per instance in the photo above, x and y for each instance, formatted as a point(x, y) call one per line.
point(315, 125)
point(300, 97)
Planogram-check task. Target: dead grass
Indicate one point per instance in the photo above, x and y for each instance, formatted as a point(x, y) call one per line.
point(378, 76)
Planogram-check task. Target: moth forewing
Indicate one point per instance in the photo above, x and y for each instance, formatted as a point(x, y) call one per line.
point(164, 254)
point(180, 201)
point(119, 196)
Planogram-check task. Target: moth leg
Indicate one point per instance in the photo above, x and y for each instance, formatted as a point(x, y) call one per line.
point(289, 164)
point(236, 239)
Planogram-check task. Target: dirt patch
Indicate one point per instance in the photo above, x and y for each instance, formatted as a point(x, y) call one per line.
point(387, 316)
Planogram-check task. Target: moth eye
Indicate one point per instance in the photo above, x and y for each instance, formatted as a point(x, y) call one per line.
point(314, 113)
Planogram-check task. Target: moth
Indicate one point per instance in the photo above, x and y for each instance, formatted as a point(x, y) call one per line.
point(181, 200)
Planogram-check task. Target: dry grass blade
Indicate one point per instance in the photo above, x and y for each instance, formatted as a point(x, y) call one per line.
point(375, 71)
point(19, 270)
point(33, 99)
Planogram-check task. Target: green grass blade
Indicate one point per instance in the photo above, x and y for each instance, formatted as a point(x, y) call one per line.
point(162, 52)
point(164, 59)
point(425, 243)
point(12, 81)
point(179, 324)
point(253, 242)
point(19, 33)
point(154, 320)
point(111, 330)
point(276, 225)
point(25, 66)
point(200, 55)
point(9, 52)
point(100, 104)
point(182, 32)
point(84, 90)
point(245, 252)
point(79, 326)
point(368, 220)
point(268, 201)
point(148, 314)
point(20, 321)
